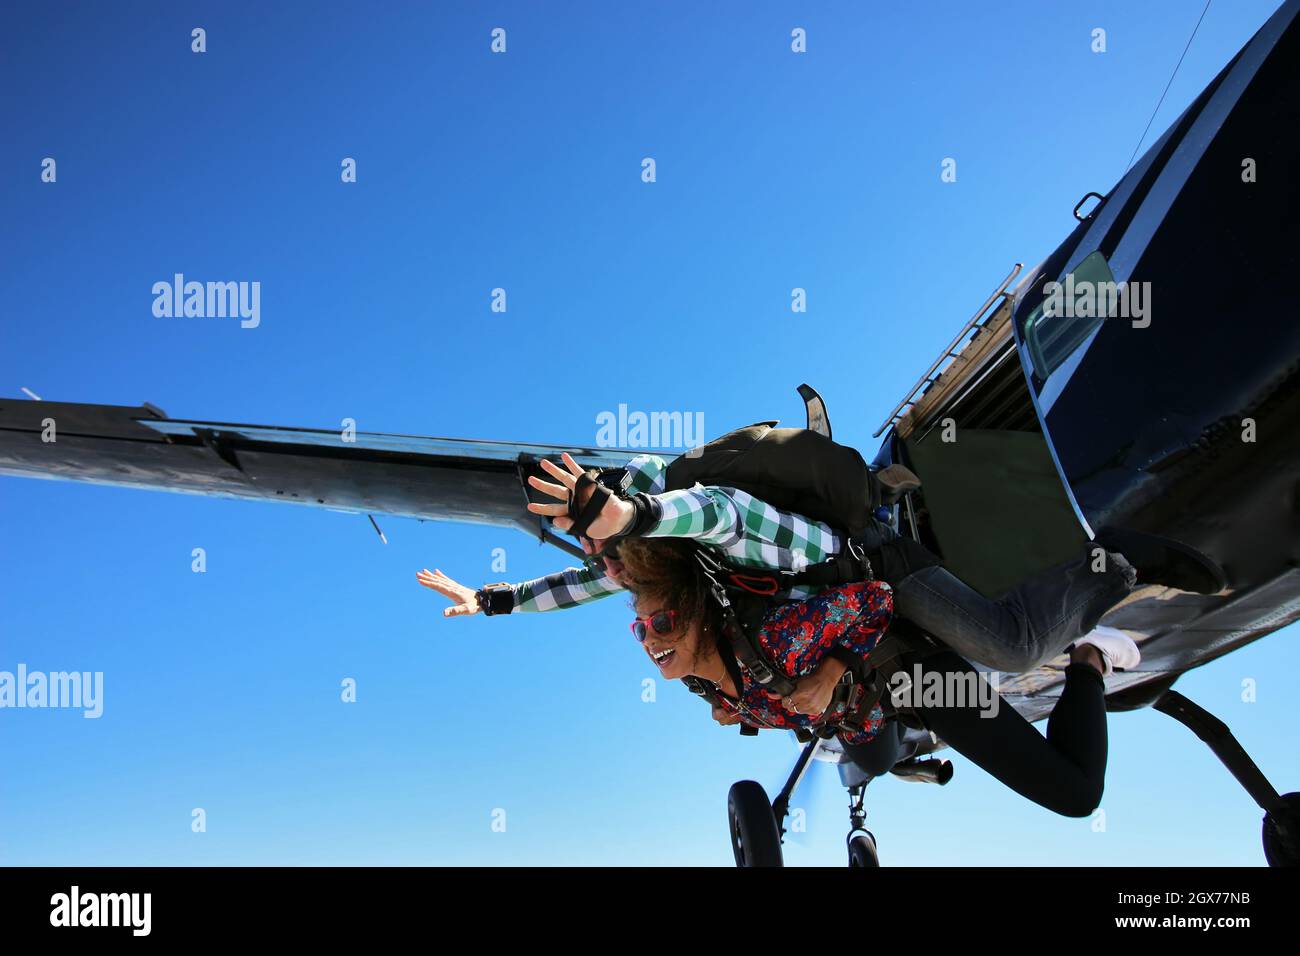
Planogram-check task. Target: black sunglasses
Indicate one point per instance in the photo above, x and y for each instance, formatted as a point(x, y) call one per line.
point(596, 559)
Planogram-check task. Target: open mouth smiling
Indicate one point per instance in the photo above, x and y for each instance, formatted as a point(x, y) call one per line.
point(661, 658)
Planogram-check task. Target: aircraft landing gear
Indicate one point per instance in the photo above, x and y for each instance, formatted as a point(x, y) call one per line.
point(755, 837)
point(1281, 826)
point(861, 841)
point(1281, 812)
point(862, 850)
point(758, 827)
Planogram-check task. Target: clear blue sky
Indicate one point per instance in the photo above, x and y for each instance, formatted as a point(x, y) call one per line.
point(519, 171)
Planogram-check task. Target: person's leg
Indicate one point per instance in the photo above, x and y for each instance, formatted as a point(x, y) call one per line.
point(1064, 772)
point(1029, 624)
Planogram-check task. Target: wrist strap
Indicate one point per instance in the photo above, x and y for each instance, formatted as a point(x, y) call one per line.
point(644, 514)
point(584, 516)
point(496, 598)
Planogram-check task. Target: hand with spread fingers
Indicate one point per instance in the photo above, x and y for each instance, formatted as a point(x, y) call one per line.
point(614, 517)
point(464, 600)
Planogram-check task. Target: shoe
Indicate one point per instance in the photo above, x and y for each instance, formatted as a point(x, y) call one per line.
point(894, 481)
point(1164, 561)
point(1118, 652)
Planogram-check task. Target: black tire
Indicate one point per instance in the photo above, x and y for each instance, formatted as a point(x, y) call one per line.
point(1277, 851)
point(862, 849)
point(755, 837)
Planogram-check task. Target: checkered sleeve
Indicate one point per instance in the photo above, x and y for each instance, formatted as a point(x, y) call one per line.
point(747, 530)
point(709, 515)
point(645, 475)
point(737, 522)
point(564, 589)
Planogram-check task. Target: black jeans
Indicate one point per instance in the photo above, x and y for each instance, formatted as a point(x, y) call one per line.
point(1064, 772)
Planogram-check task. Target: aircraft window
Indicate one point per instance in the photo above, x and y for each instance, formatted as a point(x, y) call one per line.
point(1051, 339)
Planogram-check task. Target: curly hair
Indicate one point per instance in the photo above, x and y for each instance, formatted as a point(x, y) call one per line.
point(664, 570)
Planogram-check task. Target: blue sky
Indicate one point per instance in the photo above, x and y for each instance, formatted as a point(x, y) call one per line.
point(519, 171)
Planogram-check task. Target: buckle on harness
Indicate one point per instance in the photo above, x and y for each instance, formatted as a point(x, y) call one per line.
point(695, 685)
point(759, 671)
point(860, 555)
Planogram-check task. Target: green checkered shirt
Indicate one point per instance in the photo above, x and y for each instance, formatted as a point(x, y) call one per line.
point(749, 532)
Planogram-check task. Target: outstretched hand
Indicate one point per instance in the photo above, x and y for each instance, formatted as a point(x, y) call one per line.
point(464, 600)
point(613, 518)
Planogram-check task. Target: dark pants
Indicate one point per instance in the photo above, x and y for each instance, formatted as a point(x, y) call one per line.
point(1064, 772)
point(1029, 624)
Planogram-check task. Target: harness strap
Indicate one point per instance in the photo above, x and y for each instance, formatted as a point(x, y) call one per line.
point(857, 694)
point(741, 639)
point(842, 709)
point(751, 657)
point(891, 562)
point(851, 565)
point(863, 685)
point(705, 689)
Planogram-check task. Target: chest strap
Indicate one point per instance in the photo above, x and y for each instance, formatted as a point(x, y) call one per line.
point(742, 639)
point(706, 689)
point(861, 688)
point(881, 555)
point(856, 694)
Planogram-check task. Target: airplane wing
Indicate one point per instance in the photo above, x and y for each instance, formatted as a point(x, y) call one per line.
point(446, 479)
point(449, 479)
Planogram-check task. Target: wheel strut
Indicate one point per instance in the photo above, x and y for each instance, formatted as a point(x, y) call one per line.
point(1281, 812)
point(1219, 739)
point(781, 805)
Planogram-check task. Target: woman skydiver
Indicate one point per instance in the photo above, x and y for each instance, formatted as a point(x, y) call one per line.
point(679, 625)
point(1014, 633)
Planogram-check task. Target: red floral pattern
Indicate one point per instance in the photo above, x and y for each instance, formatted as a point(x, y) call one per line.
point(799, 636)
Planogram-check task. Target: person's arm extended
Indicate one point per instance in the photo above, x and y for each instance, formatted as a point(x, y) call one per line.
point(567, 588)
point(712, 515)
point(563, 589)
